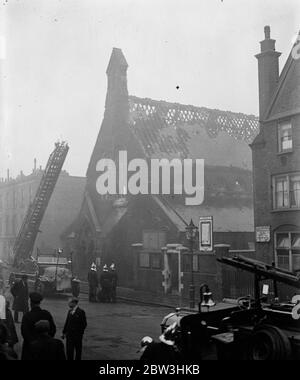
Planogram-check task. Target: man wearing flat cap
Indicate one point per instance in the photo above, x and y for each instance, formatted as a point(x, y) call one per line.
point(29, 320)
point(45, 347)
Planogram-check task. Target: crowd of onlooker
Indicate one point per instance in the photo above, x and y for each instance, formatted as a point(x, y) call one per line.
point(38, 327)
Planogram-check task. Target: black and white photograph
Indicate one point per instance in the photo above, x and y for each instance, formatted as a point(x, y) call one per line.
point(149, 183)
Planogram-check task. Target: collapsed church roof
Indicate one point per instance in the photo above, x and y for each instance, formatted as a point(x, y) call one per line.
point(185, 131)
point(148, 128)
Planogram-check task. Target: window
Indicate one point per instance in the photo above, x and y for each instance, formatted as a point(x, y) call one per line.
point(154, 239)
point(144, 260)
point(22, 200)
point(156, 260)
point(286, 191)
point(288, 250)
point(7, 201)
point(295, 190)
point(295, 239)
point(282, 195)
point(187, 263)
point(7, 231)
point(14, 225)
point(285, 142)
point(14, 199)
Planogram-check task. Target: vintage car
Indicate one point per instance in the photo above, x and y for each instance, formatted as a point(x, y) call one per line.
point(54, 275)
point(248, 328)
point(47, 275)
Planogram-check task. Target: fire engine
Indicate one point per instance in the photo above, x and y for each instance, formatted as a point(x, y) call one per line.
point(249, 328)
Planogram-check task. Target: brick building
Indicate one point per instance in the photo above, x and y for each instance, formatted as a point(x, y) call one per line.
point(130, 230)
point(276, 159)
point(15, 197)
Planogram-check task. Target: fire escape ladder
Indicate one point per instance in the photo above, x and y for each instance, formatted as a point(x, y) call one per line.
point(28, 232)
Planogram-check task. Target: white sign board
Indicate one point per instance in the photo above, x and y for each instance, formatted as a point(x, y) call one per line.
point(206, 233)
point(262, 234)
point(52, 260)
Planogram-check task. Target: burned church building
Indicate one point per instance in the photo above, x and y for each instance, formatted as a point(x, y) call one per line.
point(131, 230)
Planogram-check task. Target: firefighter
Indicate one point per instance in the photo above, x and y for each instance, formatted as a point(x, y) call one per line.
point(93, 283)
point(114, 282)
point(106, 285)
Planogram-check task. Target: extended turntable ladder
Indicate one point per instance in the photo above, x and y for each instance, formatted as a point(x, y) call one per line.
point(24, 243)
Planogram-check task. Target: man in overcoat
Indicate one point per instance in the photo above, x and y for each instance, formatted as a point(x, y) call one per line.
point(19, 290)
point(93, 283)
point(29, 320)
point(114, 281)
point(73, 330)
point(106, 285)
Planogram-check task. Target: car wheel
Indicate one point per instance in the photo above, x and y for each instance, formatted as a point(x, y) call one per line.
point(268, 342)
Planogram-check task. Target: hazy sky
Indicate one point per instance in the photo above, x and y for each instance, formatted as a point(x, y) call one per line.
point(53, 80)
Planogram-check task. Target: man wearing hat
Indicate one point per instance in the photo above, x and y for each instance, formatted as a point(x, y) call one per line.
point(93, 283)
point(145, 342)
point(165, 351)
point(45, 347)
point(19, 291)
point(74, 329)
point(106, 285)
point(114, 282)
point(29, 320)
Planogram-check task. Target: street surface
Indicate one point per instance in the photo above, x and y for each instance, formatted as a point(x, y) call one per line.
point(114, 330)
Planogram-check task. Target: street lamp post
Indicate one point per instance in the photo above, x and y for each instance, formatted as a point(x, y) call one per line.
point(71, 263)
point(191, 234)
point(71, 248)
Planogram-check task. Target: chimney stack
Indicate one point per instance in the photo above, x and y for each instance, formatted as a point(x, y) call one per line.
point(268, 71)
point(34, 165)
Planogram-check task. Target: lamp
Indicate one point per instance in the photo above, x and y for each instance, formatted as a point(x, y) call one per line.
point(191, 231)
point(191, 235)
point(206, 299)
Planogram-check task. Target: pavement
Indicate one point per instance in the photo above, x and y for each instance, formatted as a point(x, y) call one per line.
point(114, 331)
point(158, 300)
point(149, 298)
